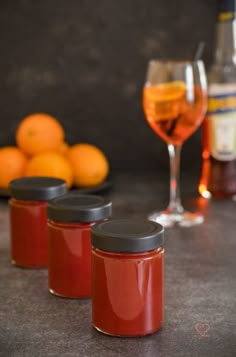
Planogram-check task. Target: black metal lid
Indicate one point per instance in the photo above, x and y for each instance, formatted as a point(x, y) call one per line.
point(127, 235)
point(37, 188)
point(75, 207)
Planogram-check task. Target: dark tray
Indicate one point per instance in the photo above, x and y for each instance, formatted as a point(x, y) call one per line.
point(99, 189)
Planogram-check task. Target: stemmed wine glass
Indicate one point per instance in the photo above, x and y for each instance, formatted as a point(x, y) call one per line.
point(174, 103)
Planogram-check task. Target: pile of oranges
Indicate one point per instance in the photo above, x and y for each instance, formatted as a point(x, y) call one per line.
point(42, 151)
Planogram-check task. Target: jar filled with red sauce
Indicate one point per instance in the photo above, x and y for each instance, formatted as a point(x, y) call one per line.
point(70, 218)
point(127, 277)
point(28, 218)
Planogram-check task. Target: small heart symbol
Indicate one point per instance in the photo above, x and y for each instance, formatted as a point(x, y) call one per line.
point(202, 329)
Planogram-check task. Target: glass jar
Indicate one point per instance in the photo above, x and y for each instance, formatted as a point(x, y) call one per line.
point(70, 218)
point(127, 277)
point(28, 218)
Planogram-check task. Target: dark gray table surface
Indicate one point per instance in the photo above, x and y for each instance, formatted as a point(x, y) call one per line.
point(200, 287)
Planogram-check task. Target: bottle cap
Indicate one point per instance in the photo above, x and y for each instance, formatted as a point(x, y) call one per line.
point(75, 207)
point(127, 235)
point(37, 188)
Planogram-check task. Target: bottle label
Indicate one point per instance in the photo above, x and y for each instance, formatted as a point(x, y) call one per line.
point(222, 121)
point(226, 10)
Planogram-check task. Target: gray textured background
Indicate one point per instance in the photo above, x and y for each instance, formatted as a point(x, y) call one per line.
point(85, 62)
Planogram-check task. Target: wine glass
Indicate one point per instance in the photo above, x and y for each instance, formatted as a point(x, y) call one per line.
point(174, 103)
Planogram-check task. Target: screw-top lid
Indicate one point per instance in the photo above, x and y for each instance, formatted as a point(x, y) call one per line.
point(37, 188)
point(75, 207)
point(127, 235)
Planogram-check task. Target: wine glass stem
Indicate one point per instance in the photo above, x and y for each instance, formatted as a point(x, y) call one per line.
point(175, 205)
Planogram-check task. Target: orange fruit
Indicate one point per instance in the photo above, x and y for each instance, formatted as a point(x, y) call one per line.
point(63, 148)
point(166, 91)
point(90, 165)
point(164, 101)
point(12, 165)
point(39, 132)
point(50, 164)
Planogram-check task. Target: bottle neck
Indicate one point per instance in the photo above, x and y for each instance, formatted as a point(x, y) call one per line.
point(225, 42)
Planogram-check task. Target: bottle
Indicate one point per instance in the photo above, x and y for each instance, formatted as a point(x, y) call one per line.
point(218, 176)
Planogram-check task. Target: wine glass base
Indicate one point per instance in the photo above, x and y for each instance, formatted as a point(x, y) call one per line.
point(170, 219)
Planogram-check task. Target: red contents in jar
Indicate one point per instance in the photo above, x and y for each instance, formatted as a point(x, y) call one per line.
point(69, 268)
point(127, 292)
point(28, 233)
